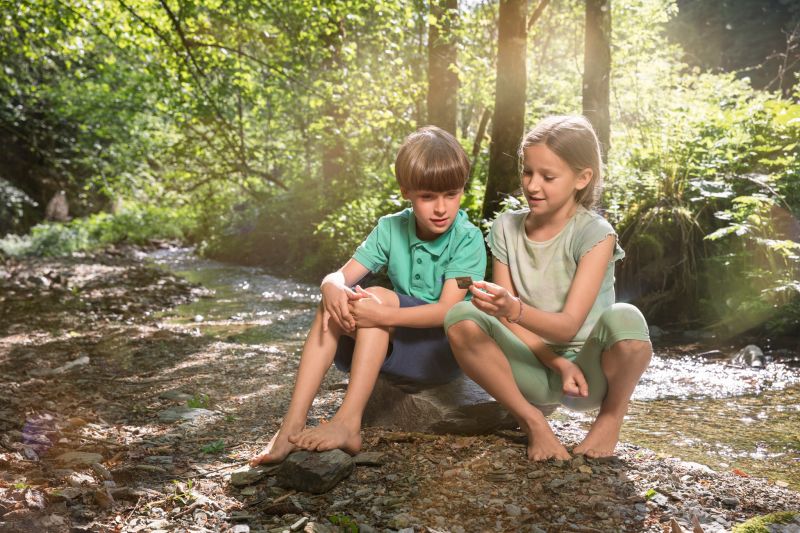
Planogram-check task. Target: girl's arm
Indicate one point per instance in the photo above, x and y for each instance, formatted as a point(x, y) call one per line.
point(573, 381)
point(564, 325)
point(422, 316)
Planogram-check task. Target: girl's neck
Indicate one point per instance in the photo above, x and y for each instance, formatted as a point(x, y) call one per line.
point(545, 227)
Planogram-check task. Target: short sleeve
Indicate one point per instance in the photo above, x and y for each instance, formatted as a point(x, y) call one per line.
point(469, 257)
point(590, 234)
point(373, 253)
point(497, 239)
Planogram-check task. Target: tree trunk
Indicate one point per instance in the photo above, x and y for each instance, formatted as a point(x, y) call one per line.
point(509, 105)
point(442, 55)
point(597, 69)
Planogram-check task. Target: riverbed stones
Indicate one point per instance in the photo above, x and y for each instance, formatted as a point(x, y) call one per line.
point(460, 407)
point(79, 458)
point(316, 472)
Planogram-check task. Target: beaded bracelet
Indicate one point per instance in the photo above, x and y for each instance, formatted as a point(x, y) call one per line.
point(519, 316)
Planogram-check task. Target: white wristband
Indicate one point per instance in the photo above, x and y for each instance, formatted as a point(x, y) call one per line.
point(337, 278)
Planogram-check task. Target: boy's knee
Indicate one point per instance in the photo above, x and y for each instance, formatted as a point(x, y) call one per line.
point(386, 296)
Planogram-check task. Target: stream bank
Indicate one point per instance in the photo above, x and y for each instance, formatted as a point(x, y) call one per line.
point(121, 411)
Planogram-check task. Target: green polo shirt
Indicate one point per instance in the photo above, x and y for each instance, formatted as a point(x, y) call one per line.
point(419, 268)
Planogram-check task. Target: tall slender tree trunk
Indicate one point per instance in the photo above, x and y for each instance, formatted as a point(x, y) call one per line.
point(442, 56)
point(509, 105)
point(597, 70)
point(334, 150)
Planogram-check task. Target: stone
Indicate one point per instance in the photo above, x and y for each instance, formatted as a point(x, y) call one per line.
point(101, 471)
point(79, 479)
point(240, 528)
point(368, 459)
point(730, 503)
point(175, 395)
point(79, 458)
point(315, 472)
point(175, 414)
point(318, 527)
point(460, 407)
point(247, 475)
point(297, 526)
point(751, 355)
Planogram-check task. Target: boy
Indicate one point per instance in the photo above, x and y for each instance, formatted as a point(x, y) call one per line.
point(424, 248)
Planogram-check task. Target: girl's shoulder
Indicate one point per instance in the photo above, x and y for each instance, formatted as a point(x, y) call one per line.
point(589, 220)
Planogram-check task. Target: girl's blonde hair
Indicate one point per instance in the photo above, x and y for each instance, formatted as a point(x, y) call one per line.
point(572, 138)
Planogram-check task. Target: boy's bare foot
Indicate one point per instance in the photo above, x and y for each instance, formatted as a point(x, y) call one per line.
point(602, 437)
point(330, 436)
point(276, 451)
point(543, 444)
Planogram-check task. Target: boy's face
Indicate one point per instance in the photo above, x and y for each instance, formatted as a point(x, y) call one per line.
point(435, 211)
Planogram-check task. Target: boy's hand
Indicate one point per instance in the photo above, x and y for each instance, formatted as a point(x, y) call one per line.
point(572, 378)
point(367, 310)
point(493, 299)
point(335, 299)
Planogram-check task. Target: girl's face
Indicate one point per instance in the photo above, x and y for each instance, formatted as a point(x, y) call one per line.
point(549, 183)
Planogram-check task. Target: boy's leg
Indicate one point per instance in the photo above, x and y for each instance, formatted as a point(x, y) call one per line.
point(622, 364)
point(483, 360)
point(317, 357)
point(343, 431)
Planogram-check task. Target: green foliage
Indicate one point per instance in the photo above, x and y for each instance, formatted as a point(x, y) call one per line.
point(136, 225)
point(214, 447)
point(199, 401)
point(345, 523)
point(760, 524)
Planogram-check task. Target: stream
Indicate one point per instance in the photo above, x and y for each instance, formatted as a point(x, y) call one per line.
point(731, 418)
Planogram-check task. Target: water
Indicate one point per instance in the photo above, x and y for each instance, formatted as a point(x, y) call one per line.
point(737, 419)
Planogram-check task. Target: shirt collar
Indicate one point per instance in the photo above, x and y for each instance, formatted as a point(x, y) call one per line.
point(436, 246)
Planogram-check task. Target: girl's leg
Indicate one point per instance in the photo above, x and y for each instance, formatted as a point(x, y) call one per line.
point(621, 334)
point(482, 360)
point(343, 431)
point(623, 364)
point(318, 352)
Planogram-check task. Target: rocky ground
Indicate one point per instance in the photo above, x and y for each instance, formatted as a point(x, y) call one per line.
point(115, 418)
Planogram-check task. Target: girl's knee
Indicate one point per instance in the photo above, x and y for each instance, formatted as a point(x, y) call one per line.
point(624, 317)
point(460, 311)
point(464, 332)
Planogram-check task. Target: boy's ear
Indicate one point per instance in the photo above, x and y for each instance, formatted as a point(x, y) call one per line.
point(404, 193)
point(584, 178)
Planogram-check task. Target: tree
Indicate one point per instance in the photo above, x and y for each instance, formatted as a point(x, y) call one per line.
point(509, 104)
point(597, 69)
point(442, 56)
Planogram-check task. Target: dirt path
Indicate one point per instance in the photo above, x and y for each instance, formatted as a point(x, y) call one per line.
point(90, 373)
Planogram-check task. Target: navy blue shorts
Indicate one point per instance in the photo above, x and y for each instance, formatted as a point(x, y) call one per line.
point(417, 354)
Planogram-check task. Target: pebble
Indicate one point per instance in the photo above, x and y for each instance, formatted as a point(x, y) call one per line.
point(730, 503)
point(513, 510)
point(297, 526)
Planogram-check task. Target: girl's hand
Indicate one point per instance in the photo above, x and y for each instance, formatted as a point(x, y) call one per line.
point(335, 300)
point(494, 300)
point(572, 378)
point(367, 310)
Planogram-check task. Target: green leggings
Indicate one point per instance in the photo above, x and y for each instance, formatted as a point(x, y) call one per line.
point(542, 385)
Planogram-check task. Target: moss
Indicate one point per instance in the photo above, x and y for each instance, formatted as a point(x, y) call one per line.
point(759, 524)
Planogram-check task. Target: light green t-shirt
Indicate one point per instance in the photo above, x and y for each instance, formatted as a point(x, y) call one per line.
point(542, 272)
point(419, 268)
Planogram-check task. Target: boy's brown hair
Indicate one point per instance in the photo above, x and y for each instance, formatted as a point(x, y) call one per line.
point(572, 138)
point(431, 159)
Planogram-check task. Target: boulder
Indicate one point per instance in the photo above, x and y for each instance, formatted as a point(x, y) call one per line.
point(460, 407)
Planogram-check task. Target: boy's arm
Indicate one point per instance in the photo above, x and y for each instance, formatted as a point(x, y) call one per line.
point(336, 294)
point(421, 316)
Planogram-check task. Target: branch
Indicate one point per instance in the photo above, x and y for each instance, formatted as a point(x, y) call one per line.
point(537, 13)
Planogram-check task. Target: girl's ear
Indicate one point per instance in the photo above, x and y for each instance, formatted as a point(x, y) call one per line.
point(584, 178)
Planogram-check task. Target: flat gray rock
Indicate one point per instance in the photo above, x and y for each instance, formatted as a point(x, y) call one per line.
point(314, 472)
point(173, 414)
point(79, 458)
point(247, 475)
point(175, 395)
point(460, 407)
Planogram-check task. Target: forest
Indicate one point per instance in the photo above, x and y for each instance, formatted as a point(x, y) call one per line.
point(248, 128)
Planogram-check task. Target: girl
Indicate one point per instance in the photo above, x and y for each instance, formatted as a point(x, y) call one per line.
point(547, 331)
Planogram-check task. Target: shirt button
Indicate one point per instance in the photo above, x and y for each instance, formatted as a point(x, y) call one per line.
point(419, 260)
point(416, 276)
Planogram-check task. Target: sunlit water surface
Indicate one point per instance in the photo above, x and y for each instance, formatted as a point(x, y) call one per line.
point(731, 418)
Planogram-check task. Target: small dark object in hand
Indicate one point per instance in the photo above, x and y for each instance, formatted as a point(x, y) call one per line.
point(464, 282)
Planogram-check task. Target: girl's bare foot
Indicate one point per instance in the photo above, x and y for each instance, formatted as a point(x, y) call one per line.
point(276, 451)
point(602, 437)
point(543, 444)
point(330, 436)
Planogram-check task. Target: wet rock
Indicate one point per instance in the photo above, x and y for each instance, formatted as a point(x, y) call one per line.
point(175, 414)
point(314, 472)
point(247, 475)
point(79, 458)
point(460, 407)
point(751, 355)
